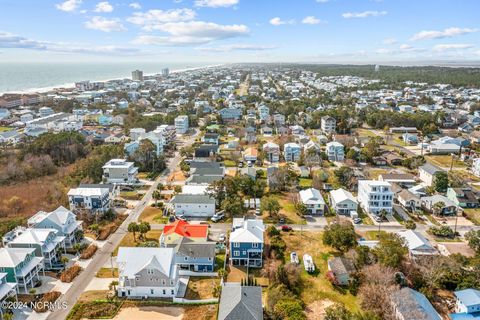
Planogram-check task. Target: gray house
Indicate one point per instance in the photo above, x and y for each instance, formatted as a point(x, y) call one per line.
point(240, 302)
point(195, 255)
point(410, 304)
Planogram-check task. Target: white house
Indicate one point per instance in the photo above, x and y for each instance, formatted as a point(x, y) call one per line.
point(292, 152)
point(476, 167)
point(427, 173)
point(342, 201)
point(193, 205)
point(328, 124)
point(374, 196)
point(181, 124)
point(147, 272)
point(90, 199)
point(272, 152)
point(120, 171)
point(313, 199)
point(335, 151)
point(417, 244)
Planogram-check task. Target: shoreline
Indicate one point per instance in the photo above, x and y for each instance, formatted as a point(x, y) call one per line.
point(72, 84)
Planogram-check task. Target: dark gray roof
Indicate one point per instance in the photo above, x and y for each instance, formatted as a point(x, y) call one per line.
point(195, 249)
point(240, 303)
point(412, 304)
point(196, 179)
point(203, 164)
point(206, 171)
point(193, 198)
point(430, 168)
point(341, 265)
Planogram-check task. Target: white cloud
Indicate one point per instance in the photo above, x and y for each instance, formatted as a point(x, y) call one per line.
point(448, 47)
point(237, 47)
point(68, 5)
point(149, 20)
point(277, 21)
point(389, 41)
point(103, 6)
point(104, 24)
point(135, 5)
point(192, 32)
point(364, 14)
point(446, 33)
point(215, 3)
point(12, 41)
point(311, 20)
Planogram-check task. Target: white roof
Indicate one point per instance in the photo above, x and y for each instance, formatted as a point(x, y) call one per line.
point(311, 195)
point(251, 231)
point(118, 163)
point(340, 195)
point(11, 257)
point(376, 183)
point(416, 243)
point(334, 144)
point(88, 192)
point(132, 260)
point(194, 189)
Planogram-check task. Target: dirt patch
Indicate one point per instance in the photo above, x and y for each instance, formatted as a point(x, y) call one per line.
point(200, 288)
point(151, 313)
point(316, 310)
point(205, 312)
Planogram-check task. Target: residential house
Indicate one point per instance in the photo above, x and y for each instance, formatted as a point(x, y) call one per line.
point(278, 119)
point(409, 304)
point(263, 112)
point(93, 200)
point(328, 124)
point(62, 220)
point(46, 242)
point(210, 138)
point(311, 148)
point(193, 205)
point(292, 152)
point(206, 152)
point(408, 200)
point(250, 155)
point(181, 124)
point(239, 302)
point(230, 114)
point(445, 145)
point(410, 138)
point(131, 147)
point(272, 152)
point(476, 167)
point(147, 272)
point(342, 201)
point(448, 206)
point(375, 196)
point(174, 232)
point(282, 131)
point(335, 151)
point(297, 130)
point(266, 131)
point(198, 256)
point(463, 197)
point(8, 292)
point(427, 173)
point(21, 266)
point(11, 137)
point(313, 200)
point(404, 180)
point(246, 242)
point(417, 244)
point(205, 173)
point(120, 171)
point(467, 305)
point(379, 161)
point(341, 269)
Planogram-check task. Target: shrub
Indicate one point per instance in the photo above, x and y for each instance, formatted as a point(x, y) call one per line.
point(49, 297)
point(151, 244)
point(272, 231)
point(443, 231)
point(106, 231)
point(69, 274)
point(89, 252)
point(410, 224)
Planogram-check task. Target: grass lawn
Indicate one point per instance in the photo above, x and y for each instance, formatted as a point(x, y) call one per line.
point(3, 129)
point(373, 173)
point(153, 215)
point(365, 217)
point(128, 241)
point(142, 175)
point(317, 286)
point(398, 218)
point(107, 273)
point(229, 163)
point(305, 182)
point(130, 195)
point(445, 161)
point(432, 219)
point(219, 261)
point(473, 215)
point(93, 295)
point(201, 288)
point(365, 133)
point(373, 235)
point(287, 210)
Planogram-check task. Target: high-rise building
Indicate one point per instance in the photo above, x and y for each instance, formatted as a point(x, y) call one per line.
point(377, 67)
point(137, 75)
point(165, 72)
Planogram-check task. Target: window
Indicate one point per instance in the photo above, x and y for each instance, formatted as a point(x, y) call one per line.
point(244, 253)
point(151, 291)
point(254, 245)
point(236, 253)
point(186, 258)
point(164, 292)
point(236, 245)
point(173, 292)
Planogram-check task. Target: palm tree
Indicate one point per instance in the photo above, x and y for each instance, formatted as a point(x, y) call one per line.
point(143, 228)
point(382, 214)
point(77, 247)
point(438, 207)
point(113, 285)
point(156, 195)
point(94, 228)
point(133, 227)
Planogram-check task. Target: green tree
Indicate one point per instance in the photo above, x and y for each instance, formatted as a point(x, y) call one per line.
point(157, 196)
point(289, 309)
point(143, 228)
point(473, 238)
point(391, 250)
point(133, 228)
point(340, 236)
point(440, 181)
point(271, 205)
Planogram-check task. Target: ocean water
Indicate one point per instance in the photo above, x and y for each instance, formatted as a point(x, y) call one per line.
point(30, 77)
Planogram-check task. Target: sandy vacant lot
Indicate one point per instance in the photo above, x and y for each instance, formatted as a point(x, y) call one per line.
point(150, 313)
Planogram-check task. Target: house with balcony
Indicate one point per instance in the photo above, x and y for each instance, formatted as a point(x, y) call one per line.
point(246, 242)
point(62, 220)
point(467, 305)
point(263, 112)
point(272, 152)
point(375, 196)
point(335, 151)
point(8, 291)
point(439, 204)
point(342, 201)
point(181, 124)
point(91, 200)
point(463, 197)
point(197, 256)
point(120, 171)
point(292, 152)
point(313, 200)
point(147, 273)
point(46, 242)
point(328, 124)
point(193, 205)
point(21, 266)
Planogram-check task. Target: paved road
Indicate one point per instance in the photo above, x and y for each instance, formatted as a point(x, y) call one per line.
point(104, 254)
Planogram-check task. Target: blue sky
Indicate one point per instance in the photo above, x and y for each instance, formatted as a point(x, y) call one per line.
point(219, 31)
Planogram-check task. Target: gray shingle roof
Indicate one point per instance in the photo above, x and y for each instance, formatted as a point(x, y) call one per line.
point(240, 303)
point(192, 198)
point(195, 249)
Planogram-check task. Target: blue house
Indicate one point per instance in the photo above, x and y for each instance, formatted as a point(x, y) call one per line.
point(230, 114)
point(410, 138)
point(292, 152)
point(467, 305)
point(195, 255)
point(105, 120)
point(131, 147)
point(246, 242)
